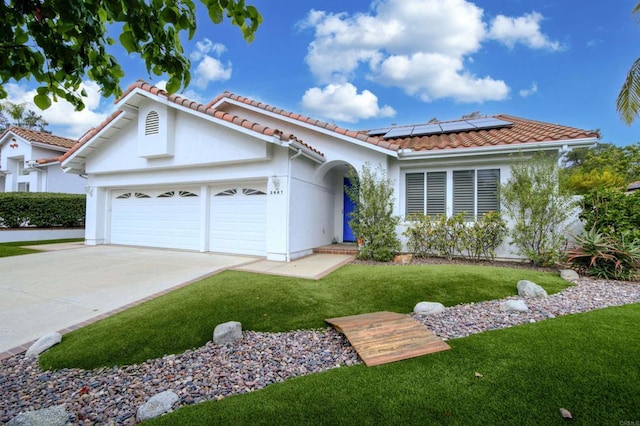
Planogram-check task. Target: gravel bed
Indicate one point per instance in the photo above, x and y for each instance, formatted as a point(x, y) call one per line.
point(112, 395)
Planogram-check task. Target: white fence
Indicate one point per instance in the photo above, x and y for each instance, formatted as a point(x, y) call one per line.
point(39, 234)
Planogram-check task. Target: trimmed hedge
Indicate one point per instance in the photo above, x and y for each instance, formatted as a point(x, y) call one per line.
point(612, 212)
point(41, 209)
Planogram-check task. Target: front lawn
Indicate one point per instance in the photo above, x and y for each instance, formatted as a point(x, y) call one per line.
point(186, 317)
point(587, 363)
point(16, 248)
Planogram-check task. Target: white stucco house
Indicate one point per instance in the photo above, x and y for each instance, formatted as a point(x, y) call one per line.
point(20, 170)
point(240, 176)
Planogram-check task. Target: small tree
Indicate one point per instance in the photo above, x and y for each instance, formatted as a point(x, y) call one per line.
point(372, 219)
point(539, 209)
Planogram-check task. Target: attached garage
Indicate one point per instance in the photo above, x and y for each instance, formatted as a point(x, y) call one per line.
point(238, 219)
point(167, 218)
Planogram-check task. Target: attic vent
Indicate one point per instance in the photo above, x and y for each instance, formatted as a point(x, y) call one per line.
point(152, 124)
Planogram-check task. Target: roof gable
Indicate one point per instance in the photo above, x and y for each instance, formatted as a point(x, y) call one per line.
point(43, 138)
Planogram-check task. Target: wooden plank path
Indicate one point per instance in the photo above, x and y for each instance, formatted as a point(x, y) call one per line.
point(383, 337)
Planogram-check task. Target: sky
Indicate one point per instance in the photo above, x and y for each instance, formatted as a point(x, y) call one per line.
point(368, 64)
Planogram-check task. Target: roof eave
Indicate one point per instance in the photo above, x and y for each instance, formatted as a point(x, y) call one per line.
point(405, 154)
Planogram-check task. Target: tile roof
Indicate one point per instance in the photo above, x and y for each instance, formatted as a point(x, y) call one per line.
point(40, 137)
point(196, 106)
point(362, 136)
point(522, 131)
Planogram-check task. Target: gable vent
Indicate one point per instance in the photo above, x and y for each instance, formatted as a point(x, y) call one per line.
point(152, 124)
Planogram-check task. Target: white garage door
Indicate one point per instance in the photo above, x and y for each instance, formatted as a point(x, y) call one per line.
point(238, 219)
point(168, 218)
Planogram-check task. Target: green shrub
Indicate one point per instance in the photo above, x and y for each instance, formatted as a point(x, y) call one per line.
point(539, 208)
point(372, 219)
point(612, 212)
point(41, 209)
point(451, 237)
point(606, 256)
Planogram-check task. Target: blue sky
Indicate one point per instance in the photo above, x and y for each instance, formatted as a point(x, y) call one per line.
point(367, 64)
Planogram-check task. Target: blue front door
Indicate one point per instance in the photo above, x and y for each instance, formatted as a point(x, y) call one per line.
point(347, 232)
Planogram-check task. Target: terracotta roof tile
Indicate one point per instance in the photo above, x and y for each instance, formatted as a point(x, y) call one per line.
point(295, 116)
point(198, 107)
point(522, 131)
point(41, 137)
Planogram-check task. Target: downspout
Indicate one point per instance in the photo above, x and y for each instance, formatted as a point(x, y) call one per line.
point(293, 157)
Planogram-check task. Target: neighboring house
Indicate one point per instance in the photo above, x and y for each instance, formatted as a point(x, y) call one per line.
point(240, 176)
point(20, 169)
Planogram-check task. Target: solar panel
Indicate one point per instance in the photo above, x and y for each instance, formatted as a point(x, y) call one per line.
point(455, 126)
point(399, 132)
point(489, 123)
point(426, 129)
point(378, 132)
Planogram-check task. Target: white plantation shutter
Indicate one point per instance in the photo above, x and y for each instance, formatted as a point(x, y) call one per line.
point(488, 200)
point(436, 193)
point(464, 193)
point(415, 193)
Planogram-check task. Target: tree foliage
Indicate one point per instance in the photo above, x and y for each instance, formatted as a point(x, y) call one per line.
point(533, 199)
point(372, 219)
point(628, 101)
point(18, 115)
point(603, 166)
point(58, 42)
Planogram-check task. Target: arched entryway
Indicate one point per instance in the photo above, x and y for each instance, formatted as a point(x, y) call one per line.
point(337, 175)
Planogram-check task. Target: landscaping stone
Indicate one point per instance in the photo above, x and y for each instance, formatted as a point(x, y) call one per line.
point(228, 332)
point(530, 289)
point(403, 258)
point(42, 344)
point(50, 416)
point(514, 306)
point(569, 275)
point(428, 308)
point(157, 405)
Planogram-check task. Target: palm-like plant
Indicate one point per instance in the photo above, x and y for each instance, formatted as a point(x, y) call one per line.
point(628, 102)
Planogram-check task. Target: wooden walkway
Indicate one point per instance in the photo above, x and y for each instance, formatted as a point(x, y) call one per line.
point(383, 337)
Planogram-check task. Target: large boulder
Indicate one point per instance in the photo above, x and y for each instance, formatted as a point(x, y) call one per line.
point(530, 289)
point(50, 416)
point(43, 343)
point(514, 306)
point(428, 308)
point(157, 405)
point(228, 332)
point(569, 275)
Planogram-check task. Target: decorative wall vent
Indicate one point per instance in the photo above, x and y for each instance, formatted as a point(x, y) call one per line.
point(250, 191)
point(125, 195)
point(226, 193)
point(152, 124)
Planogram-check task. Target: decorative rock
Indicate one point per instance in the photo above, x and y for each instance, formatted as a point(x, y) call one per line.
point(530, 289)
point(42, 344)
point(428, 308)
point(514, 306)
point(569, 275)
point(157, 405)
point(51, 416)
point(403, 258)
point(228, 332)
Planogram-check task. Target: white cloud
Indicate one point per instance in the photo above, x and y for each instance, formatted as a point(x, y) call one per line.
point(524, 29)
point(530, 91)
point(424, 47)
point(342, 102)
point(210, 67)
point(61, 115)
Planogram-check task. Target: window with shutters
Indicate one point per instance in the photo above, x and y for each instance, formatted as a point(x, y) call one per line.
point(475, 192)
point(152, 124)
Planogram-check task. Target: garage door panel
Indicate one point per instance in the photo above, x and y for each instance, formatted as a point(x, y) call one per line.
point(157, 221)
point(238, 222)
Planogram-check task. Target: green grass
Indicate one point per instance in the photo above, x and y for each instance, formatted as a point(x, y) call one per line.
point(186, 317)
point(587, 363)
point(16, 249)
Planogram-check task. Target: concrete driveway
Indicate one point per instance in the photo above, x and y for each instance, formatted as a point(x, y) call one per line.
point(55, 290)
